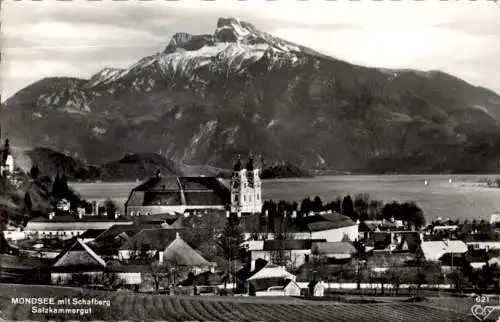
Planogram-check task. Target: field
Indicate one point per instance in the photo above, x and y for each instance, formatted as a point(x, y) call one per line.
point(148, 307)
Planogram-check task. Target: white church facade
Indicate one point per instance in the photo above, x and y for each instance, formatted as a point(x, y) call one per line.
point(246, 190)
point(7, 160)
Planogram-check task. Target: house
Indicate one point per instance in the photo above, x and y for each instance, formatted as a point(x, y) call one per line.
point(495, 218)
point(486, 245)
point(434, 250)
point(68, 226)
point(274, 287)
point(316, 289)
point(334, 252)
point(63, 205)
point(160, 195)
point(165, 245)
point(206, 283)
point(477, 258)
point(401, 241)
point(332, 227)
point(383, 261)
point(267, 279)
point(79, 264)
point(295, 252)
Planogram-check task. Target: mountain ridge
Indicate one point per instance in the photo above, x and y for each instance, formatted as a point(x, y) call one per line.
point(206, 98)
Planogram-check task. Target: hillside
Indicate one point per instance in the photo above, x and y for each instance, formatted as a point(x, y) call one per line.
point(207, 98)
point(129, 168)
point(12, 199)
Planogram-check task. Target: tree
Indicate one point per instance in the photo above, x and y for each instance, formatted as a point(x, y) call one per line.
point(28, 205)
point(305, 206)
point(231, 238)
point(65, 192)
point(230, 241)
point(317, 204)
point(348, 207)
point(160, 273)
point(56, 186)
point(361, 203)
point(110, 207)
point(375, 210)
point(34, 172)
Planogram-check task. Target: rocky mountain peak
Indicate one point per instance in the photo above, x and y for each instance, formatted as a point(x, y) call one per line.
point(186, 41)
point(232, 30)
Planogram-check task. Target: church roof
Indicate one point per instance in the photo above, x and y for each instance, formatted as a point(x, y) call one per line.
point(175, 191)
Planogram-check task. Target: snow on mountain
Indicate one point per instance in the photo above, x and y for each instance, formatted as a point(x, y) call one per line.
point(233, 46)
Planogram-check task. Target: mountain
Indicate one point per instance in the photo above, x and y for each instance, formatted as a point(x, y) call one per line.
point(206, 98)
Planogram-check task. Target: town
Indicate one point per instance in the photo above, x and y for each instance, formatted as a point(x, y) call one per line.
point(204, 236)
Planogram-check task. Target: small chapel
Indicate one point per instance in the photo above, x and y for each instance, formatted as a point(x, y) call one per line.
point(246, 191)
point(6, 159)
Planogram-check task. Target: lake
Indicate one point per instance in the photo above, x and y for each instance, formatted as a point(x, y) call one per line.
point(463, 198)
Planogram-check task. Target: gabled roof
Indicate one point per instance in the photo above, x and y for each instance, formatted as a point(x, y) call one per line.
point(436, 249)
point(79, 254)
point(271, 270)
point(246, 272)
point(183, 254)
point(329, 221)
point(334, 248)
point(129, 230)
point(290, 244)
point(153, 239)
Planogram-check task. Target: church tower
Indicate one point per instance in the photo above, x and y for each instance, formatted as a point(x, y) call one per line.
point(245, 188)
point(6, 159)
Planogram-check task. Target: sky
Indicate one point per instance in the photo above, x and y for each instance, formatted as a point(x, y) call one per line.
point(79, 38)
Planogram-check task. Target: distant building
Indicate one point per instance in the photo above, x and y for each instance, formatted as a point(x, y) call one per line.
point(435, 250)
point(495, 218)
point(6, 160)
point(164, 245)
point(161, 195)
point(68, 226)
point(246, 190)
point(334, 252)
point(295, 252)
point(266, 279)
point(334, 228)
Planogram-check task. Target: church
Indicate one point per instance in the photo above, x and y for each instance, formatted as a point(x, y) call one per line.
point(246, 188)
point(174, 195)
point(6, 159)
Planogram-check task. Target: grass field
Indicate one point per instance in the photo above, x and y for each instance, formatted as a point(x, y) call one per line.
point(147, 307)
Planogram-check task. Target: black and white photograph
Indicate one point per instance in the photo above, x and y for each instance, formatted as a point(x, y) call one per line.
point(257, 160)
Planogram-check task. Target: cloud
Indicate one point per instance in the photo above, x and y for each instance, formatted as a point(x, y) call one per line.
point(79, 38)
